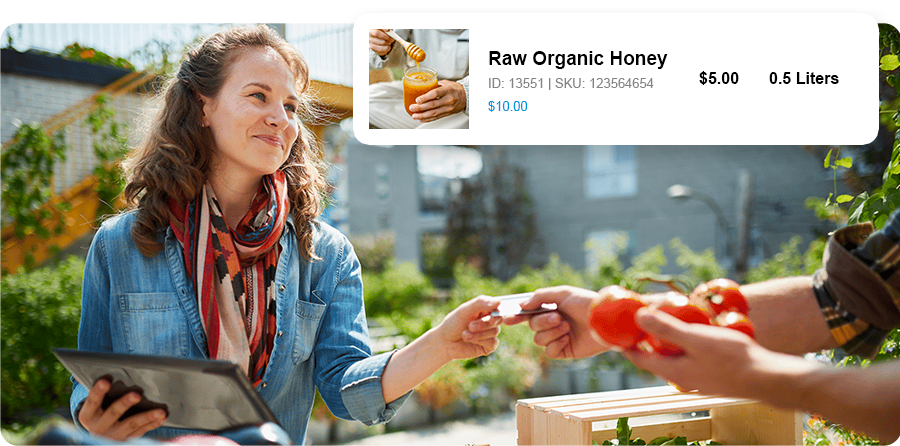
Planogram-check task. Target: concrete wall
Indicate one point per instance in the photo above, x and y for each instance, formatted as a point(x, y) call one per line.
point(383, 195)
point(783, 177)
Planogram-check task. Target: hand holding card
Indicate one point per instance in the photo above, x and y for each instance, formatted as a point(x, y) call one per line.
point(510, 305)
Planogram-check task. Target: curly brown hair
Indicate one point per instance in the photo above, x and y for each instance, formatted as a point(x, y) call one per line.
point(174, 159)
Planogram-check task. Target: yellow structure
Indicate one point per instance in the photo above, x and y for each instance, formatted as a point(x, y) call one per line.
point(337, 100)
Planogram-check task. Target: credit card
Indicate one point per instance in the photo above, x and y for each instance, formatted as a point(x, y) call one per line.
point(510, 305)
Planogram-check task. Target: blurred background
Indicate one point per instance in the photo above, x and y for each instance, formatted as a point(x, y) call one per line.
point(433, 225)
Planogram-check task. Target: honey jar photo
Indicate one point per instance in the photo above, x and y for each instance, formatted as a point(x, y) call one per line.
point(416, 82)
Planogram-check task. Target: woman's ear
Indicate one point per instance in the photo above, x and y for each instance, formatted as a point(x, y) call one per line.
point(204, 103)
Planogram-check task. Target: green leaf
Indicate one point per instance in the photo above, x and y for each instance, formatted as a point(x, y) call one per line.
point(889, 62)
point(828, 159)
point(844, 198)
point(623, 432)
point(659, 440)
point(844, 162)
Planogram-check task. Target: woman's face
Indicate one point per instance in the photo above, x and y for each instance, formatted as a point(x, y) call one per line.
point(253, 117)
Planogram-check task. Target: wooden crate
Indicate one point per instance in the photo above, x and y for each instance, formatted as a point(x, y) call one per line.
point(591, 417)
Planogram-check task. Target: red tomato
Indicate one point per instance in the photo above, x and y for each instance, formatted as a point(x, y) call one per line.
point(677, 306)
point(613, 319)
point(736, 321)
point(722, 295)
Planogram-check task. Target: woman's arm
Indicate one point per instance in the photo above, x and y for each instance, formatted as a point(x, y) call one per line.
point(466, 332)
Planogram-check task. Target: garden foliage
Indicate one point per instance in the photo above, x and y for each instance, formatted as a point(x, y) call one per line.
point(40, 311)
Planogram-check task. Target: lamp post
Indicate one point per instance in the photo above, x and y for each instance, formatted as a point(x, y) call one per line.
point(681, 193)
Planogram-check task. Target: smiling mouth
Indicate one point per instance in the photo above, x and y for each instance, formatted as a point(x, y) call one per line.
point(271, 140)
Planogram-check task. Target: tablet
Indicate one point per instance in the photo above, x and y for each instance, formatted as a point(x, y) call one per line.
point(196, 394)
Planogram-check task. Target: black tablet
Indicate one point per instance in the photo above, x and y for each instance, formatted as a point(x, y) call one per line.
point(196, 394)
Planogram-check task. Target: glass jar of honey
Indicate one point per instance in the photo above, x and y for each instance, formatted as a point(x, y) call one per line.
point(416, 82)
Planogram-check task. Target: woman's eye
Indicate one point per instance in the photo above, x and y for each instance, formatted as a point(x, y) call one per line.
point(290, 108)
point(259, 96)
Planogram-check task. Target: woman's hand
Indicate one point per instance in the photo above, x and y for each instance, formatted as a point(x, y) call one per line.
point(105, 423)
point(469, 330)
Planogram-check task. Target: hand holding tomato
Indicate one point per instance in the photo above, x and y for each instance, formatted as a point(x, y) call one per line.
point(716, 360)
point(613, 318)
point(717, 302)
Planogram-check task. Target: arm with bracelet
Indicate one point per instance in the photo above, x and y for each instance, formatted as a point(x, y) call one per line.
point(851, 302)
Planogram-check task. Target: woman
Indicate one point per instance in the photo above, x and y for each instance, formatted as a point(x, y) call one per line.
point(221, 256)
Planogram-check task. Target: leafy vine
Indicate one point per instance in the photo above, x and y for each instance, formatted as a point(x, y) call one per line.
point(110, 146)
point(27, 177)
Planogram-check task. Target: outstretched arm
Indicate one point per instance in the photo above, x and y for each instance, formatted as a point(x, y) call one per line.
point(467, 332)
point(722, 361)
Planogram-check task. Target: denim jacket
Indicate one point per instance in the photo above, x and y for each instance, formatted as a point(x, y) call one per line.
point(146, 305)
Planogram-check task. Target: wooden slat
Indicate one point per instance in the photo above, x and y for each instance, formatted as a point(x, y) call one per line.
point(606, 396)
point(540, 429)
point(586, 405)
point(655, 409)
point(524, 423)
point(756, 424)
point(565, 430)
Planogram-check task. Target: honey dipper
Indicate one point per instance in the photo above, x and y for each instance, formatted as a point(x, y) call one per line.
point(413, 50)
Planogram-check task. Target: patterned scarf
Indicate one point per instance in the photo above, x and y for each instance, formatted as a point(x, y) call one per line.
point(234, 270)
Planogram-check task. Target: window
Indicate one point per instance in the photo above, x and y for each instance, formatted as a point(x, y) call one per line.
point(610, 171)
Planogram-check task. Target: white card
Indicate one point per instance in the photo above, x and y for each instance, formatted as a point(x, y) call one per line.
point(510, 305)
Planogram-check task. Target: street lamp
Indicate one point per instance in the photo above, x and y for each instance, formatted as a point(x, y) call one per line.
point(682, 193)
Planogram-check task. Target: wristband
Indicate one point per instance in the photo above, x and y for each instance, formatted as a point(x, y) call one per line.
point(853, 336)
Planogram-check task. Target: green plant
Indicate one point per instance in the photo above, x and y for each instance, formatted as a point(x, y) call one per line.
point(699, 267)
point(110, 146)
point(94, 56)
point(436, 264)
point(834, 200)
point(27, 176)
point(789, 261)
point(374, 251)
point(624, 434)
point(40, 312)
point(877, 205)
point(399, 288)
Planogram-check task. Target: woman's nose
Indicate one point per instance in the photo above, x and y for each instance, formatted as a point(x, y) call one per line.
point(277, 117)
